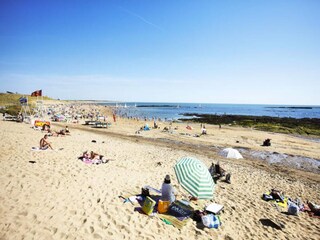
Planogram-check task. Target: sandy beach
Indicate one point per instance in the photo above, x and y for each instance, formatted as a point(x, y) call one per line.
point(53, 195)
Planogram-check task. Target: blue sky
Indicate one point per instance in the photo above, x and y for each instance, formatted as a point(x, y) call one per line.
point(165, 51)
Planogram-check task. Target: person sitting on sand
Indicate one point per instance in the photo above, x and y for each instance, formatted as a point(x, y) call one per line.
point(218, 172)
point(67, 130)
point(277, 195)
point(267, 142)
point(94, 155)
point(155, 125)
point(44, 144)
point(167, 190)
point(45, 128)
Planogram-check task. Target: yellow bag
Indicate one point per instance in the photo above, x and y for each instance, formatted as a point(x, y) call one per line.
point(148, 205)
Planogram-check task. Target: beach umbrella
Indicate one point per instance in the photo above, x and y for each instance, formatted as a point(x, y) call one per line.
point(231, 153)
point(194, 177)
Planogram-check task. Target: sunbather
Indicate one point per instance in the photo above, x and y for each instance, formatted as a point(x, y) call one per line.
point(94, 155)
point(314, 208)
point(44, 144)
point(90, 156)
point(60, 133)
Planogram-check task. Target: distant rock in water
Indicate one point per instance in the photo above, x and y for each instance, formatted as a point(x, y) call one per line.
point(293, 107)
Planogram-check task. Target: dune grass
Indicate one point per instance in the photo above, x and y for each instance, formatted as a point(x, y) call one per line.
point(10, 102)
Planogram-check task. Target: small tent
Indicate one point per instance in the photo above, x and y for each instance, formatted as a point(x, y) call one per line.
point(231, 153)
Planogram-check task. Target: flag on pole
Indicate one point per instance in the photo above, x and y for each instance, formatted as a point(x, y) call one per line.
point(37, 93)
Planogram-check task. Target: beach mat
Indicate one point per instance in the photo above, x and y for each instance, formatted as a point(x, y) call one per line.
point(173, 220)
point(283, 204)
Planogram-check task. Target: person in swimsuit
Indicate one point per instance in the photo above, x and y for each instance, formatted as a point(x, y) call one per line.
point(44, 144)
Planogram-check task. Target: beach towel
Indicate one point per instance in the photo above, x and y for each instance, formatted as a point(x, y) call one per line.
point(173, 220)
point(267, 197)
point(39, 149)
point(180, 210)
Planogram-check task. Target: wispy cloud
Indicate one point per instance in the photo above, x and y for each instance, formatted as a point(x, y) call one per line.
point(140, 18)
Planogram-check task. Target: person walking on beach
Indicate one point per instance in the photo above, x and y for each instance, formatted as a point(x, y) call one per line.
point(44, 144)
point(114, 117)
point(203, 130)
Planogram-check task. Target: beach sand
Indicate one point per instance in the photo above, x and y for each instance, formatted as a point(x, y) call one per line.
point(53, 195)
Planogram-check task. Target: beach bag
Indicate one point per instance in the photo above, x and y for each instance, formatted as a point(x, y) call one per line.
point(148, 205)
point(145, 192)
point(267, 197)
point(163, 206)
point(293, 209)
point(211, 221)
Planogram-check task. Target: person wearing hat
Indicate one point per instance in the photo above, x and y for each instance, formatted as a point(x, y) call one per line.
point(167, 190)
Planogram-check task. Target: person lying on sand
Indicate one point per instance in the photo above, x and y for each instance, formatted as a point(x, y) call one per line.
point(44, 144)
point(58, 133)
point(314, 208)
point(92, 155)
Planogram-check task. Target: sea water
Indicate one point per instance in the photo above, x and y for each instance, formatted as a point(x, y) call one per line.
point(176, 110)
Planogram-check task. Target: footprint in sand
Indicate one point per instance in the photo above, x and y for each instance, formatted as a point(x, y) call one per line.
point(25, 213)
point(73, 212)
point(97, 236)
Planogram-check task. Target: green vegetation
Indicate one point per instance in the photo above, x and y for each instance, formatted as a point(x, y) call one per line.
point(304, 126)
point(10, 102)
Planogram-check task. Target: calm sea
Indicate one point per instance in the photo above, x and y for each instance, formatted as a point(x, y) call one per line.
point(176, 110)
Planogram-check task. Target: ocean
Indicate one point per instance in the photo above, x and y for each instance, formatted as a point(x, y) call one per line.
point(174, 111)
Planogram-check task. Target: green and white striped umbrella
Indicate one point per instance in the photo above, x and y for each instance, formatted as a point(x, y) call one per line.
point(194, 177)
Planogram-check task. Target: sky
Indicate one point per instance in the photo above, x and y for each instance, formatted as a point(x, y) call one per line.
point(204, 51)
